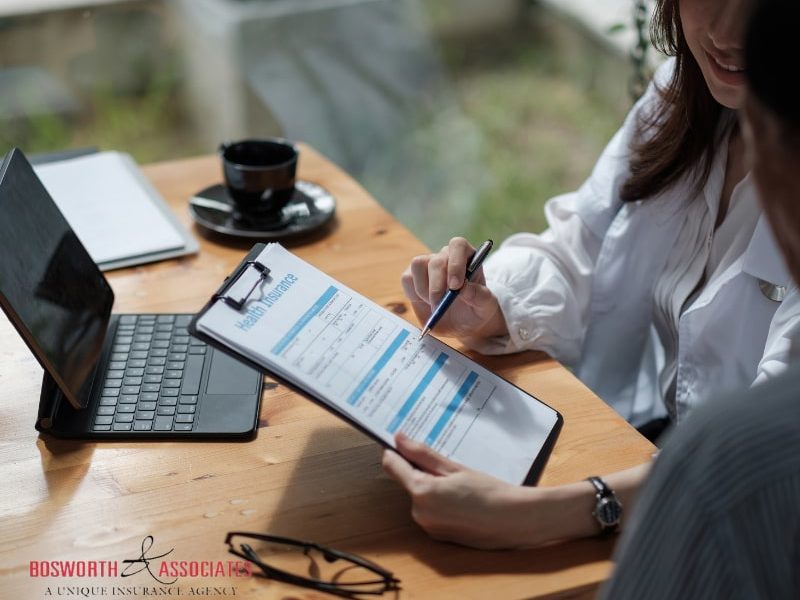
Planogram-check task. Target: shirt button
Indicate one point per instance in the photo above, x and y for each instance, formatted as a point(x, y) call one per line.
point(524, 333)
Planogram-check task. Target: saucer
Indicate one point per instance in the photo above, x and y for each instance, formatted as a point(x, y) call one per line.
point(311, 207)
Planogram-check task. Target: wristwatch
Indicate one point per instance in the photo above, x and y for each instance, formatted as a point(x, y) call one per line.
point(607, 509)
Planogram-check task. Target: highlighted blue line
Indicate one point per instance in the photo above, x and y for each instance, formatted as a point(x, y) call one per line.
point(303, 321)
point(451, 408)
point(373, 372)
point(412, 399)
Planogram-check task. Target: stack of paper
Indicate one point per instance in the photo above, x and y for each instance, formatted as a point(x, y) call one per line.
point(115, 212)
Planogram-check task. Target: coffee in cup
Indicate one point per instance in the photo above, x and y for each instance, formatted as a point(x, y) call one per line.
point(259, 174)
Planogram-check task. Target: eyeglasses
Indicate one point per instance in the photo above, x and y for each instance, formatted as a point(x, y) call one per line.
point(310, 565)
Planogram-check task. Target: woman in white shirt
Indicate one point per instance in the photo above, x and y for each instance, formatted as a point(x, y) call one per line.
point(658, 281)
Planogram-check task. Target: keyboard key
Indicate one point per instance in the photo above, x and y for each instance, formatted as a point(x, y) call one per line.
point(195, 342)
point(141, 346)
point(142, 425)
point(160, 352)
point(148, 397)
point(129, 399)
point(181, 339)
point(184, 418)
point(105, 410)
point(139, 354)
point(111, 392)
point(132, 381)
point(165, 318)
point(115, 374)
point(143, 337)
point(171, 383)
point(116, 364)
point(120, 348)
point(180, 348)
point(197, 350)
point(163, 423)
point(97, 427)
point(119, 356)
point(126, 408)
point(103, 420)
point(145, 329)
point(176, 356)
point(174, 373)
point(124, 329)
point(147, 319)
point(108, 401)
point(123, 339)
point(148, 405)
point(145, 414)
point(169, 393)
point(166, 410)
point(162, 335)
point(137, 362)
point(187, 408)
point(160, 343)
point(152, 378)
point(127, 319)
point(150, 387)
point(135, 372)
point(183, 426)
point(124, 418)
point(168, 401)
point(175, 364)
point(157, 361)
point(113, 383)
point(182, 320)
point(132, 389)
point(188, 399)
point(154, 369)
point(124, 426)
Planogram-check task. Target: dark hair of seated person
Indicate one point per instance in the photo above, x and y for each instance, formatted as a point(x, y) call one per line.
point(770, 59)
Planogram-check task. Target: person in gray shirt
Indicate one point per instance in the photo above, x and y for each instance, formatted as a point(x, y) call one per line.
point(719, 517)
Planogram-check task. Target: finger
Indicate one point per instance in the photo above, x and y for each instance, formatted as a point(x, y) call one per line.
point(398, 468)
point(437, 276)
point(422, 310)
point(419, 275)
point(425, 458)
point(459, 252)
point(410, 291)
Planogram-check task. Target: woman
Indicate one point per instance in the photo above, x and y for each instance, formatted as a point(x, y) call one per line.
point(658, 281)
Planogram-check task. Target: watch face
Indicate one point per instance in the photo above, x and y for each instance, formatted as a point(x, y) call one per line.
point(608, 511)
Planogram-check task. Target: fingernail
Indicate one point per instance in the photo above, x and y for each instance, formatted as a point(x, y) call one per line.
point(454, 282)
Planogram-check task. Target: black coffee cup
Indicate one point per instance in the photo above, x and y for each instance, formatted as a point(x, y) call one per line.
point(259, 174)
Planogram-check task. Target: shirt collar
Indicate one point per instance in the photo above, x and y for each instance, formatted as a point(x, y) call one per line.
point(763, 259)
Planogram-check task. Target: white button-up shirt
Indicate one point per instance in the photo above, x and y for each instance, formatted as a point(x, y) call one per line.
point(593, 289)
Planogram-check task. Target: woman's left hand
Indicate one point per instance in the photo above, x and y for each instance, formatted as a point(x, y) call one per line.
point(455, 504)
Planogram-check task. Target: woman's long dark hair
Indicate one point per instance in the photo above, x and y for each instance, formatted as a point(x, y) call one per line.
point(680, 136)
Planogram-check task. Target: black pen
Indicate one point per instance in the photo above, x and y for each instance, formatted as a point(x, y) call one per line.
point(474, 264)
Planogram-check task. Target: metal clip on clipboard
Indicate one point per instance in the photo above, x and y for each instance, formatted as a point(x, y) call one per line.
point(233, 302)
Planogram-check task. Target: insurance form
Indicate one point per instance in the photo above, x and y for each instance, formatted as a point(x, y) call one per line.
point(366, 363)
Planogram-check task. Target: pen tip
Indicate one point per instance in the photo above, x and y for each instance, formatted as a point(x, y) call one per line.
point(424, 333)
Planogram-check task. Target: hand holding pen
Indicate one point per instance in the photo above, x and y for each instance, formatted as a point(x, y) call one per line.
point(453, 281)
point(475, 263)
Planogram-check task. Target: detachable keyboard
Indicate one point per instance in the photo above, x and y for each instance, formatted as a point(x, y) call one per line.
point(152, 380)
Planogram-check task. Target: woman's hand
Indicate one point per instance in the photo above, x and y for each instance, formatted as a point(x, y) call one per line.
point(455, 504)
point(475, 313)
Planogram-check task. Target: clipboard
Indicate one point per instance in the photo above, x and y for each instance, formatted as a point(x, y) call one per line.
point(253, 272)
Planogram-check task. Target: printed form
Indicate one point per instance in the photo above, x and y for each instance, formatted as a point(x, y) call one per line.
point(366, 362)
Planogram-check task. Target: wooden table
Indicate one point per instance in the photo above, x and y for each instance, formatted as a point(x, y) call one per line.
point(306, 475)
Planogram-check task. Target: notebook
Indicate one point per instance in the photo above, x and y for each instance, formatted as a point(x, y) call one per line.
point(114, 210)
point(366, 365)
